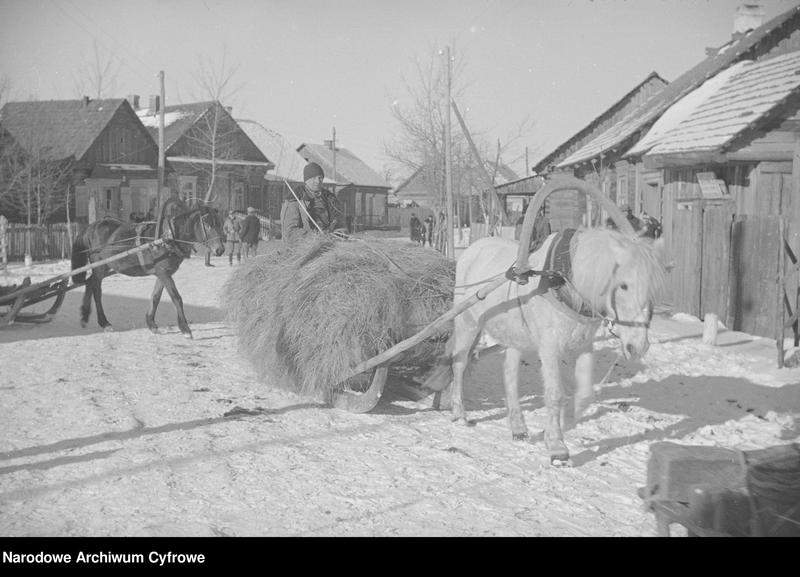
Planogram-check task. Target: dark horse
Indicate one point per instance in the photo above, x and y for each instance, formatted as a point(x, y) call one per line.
point(184, 229)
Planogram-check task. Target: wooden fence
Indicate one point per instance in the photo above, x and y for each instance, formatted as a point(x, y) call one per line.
point(48, 242)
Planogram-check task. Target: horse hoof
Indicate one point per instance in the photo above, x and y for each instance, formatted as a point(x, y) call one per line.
point(561, 460)
point(188, 336)
point(108, 329)
point(519, 436)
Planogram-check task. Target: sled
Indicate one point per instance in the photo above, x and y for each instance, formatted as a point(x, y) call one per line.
point(718, 492)
point(19, 297)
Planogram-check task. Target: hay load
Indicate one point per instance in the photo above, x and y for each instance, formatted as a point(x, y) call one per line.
point(306, 314)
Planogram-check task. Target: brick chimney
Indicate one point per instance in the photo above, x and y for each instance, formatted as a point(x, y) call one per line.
point(133, 100)
point(328, 144)
point(749, 16)
point(86, 100)
point(154, 103)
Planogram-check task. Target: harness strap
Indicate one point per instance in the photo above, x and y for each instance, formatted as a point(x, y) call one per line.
point(140, 255)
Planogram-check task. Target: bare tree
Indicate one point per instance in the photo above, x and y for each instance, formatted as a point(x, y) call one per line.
point(97, 77)
point(33, 185)
point(419, 143)
point(213, 136)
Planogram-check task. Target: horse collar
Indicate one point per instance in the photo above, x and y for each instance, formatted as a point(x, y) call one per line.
point(559, 260)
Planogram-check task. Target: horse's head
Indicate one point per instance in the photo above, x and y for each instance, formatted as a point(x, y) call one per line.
point(622, 278)
point(205, 227)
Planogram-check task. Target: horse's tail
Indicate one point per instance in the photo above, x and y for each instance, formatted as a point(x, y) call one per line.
point(80, 257)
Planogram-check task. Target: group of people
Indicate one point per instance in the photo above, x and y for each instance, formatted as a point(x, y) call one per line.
point(421, 232)
point(240, 234)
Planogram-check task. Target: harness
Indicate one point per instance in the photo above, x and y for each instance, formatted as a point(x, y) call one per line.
point(556, 272)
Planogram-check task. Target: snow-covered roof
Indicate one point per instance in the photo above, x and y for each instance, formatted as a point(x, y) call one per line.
point(684, 108)
point(750, 93)
point(620, 134)
point(288, 163)
point(349, 168)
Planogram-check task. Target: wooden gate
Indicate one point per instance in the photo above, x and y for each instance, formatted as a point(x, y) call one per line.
point(700, 245)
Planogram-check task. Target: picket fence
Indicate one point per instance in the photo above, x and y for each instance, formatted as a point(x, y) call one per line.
point(48, 242)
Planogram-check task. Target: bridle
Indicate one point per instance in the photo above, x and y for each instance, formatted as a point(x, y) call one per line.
point(204, 229)
point(611, 322)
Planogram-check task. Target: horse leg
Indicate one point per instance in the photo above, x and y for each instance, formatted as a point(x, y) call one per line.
point(86, 303)
point(584, 385)
point(516, 421)
point(155, 298)
point(464, 335)
point(555, 402)
point(97, 292)
point(183, 324)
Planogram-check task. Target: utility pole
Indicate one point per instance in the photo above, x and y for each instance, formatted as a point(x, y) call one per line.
point(448, 168)
point(333, 146)
point(161, 151)
point(527, 165)
point(28, 258)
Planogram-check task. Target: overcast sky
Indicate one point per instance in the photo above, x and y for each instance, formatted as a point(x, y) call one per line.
point(308, 65)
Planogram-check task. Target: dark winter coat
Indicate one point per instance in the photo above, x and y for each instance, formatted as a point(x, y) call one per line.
point(251, 229)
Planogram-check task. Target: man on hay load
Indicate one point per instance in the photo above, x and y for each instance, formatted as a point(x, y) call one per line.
point(320, 208)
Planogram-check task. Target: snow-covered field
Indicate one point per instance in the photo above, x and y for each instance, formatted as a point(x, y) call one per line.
point(127, 433)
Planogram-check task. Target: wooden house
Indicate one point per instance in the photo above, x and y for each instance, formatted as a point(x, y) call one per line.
point(207, 149)
point(713, 156)
point(112, 156)
point(567, 208)
point(425, 188)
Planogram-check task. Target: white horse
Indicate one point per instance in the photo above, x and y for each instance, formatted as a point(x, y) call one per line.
point(613, 277)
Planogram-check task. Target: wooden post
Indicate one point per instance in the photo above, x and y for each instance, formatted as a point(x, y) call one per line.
point(497, 205)
point(3, 243)
point(780, 313)
point(161, 151)
point(710, 329)
point(333, 148)
point(527, 166)
point(448, 167)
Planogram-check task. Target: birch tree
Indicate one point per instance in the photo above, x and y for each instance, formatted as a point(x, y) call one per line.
point(213, 136)
point(419, 142)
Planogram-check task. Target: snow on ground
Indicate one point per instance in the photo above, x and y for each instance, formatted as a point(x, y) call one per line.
point(127, 433)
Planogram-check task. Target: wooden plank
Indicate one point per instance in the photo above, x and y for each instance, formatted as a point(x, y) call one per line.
point(687, 248)
point(716, 248)
point(780, 311)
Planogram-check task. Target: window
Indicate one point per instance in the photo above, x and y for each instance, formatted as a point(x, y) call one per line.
point(187, 186)
point(238, 196)
point(109, 198)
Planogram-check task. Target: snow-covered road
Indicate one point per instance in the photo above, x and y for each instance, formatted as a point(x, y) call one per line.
point(127, 433)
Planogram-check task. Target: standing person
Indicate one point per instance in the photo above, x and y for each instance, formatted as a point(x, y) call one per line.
point(429, 226)
point(251, 230)
point(232, 228)
point(318, 203)
point(415, 225)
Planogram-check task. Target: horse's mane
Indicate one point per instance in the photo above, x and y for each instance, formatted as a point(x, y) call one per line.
point(597, 255)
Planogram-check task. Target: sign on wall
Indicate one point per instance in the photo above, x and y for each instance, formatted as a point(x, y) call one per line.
point(711, 186)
